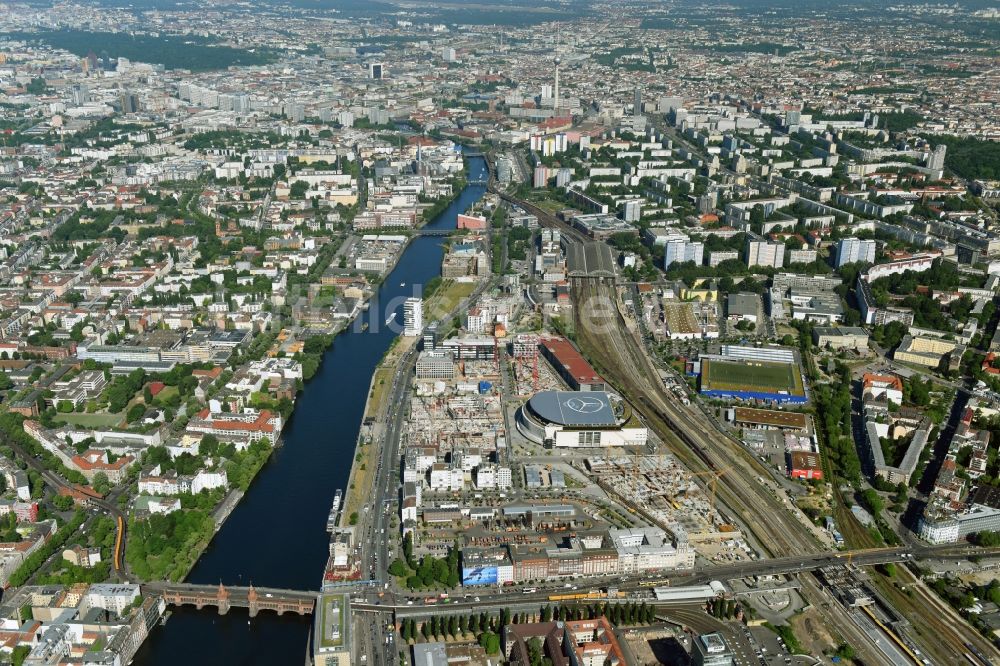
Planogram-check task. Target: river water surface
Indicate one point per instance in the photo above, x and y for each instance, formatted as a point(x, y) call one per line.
point(276, 536)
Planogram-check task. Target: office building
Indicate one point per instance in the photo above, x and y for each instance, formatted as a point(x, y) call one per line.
point(375, 71)
point(331, 640)
point(448, 54)
point(711, 650)
point(81, 94)
point(129, 102)
point(853, 250)
point(413, 317)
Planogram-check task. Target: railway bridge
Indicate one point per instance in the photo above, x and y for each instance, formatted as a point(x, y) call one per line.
point(226, 597)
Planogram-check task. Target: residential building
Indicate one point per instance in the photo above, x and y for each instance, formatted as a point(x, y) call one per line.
point(680, 249)
point(765, 253)
point(854, 250)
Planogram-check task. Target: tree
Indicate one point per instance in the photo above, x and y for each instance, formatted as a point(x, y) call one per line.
point(490, 642)
point(62, 502)
point(871, 499)
point(20, 653)
point(987, 539)
point(845, 652)
point(101, 484)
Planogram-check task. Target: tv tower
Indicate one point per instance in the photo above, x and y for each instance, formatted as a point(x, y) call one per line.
point(555, 105)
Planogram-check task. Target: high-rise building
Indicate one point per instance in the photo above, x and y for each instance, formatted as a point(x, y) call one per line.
point(413, 317)
point(853, 250)
point(637, 102)
point(631, 210)
point(563, 177)
point(541, 176)
point(431, 337)
point(765, 253)
point(448, 54)
point(375, 71)
point(679, 249)
point(711, 650)
point(935, 160)
point(129, 102)
point(81, 94)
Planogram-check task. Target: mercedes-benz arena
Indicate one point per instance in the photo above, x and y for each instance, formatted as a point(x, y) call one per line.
point(579, 419)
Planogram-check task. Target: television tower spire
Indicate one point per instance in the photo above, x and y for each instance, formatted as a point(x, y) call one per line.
point(555, 105)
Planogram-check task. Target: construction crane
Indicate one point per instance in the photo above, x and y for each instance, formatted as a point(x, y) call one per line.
point(534, 369)
point(713, 482)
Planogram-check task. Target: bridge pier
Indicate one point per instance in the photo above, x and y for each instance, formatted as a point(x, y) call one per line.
point(223, 599)
point(252, 601)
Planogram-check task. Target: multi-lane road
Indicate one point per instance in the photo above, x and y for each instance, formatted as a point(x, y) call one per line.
point(374, 531)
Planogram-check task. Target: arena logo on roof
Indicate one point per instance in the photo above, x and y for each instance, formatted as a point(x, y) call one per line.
point(587, 405)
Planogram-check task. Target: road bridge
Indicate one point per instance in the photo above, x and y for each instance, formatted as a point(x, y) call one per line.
point(223, 598)
point(433, 232)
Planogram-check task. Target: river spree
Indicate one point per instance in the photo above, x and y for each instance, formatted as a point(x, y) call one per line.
point(276, 536)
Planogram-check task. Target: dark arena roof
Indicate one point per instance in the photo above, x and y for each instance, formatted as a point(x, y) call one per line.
point(574, 408)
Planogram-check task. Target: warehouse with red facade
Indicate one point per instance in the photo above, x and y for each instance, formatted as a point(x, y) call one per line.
point(570, 365)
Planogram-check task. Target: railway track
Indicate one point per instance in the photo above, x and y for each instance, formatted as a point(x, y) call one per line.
point(943, 635)
point(604, 335)
point(695, 441)
point(56, 482)
point(620, 358)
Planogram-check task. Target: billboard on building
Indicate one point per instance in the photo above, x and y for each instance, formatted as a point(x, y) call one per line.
point(479, 576)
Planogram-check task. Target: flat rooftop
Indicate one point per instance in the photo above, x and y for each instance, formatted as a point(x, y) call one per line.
point(771, 417)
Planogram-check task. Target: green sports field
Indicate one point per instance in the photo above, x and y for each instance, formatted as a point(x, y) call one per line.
point(751, 376)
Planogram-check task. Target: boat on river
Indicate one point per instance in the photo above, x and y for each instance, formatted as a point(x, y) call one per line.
point(331, 521)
